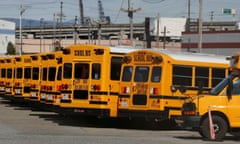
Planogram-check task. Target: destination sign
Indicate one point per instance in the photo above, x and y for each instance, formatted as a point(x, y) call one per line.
point(82, 52)
point(142, 58)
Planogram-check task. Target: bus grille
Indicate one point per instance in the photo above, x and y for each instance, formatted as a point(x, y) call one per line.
point(139, 99)
point(80, 94)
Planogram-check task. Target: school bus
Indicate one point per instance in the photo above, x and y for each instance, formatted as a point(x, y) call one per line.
point(53, 77)
point(22, 78)
point(47, 75)
point(36, 62)
point(154, 83)
point(10, 74)
point(90, 79)
point(215, 113)
point(2, 76)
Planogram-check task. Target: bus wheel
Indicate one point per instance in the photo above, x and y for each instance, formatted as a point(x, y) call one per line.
point(220, 127)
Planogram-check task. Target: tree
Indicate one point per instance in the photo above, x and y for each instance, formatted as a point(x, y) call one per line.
point(11, 49)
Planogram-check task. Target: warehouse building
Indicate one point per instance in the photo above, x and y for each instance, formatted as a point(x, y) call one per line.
point(7, 34)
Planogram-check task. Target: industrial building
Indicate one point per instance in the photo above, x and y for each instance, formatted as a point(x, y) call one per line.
point(7, 34)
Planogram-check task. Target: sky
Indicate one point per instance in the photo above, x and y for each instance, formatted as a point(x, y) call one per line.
point(45, 9)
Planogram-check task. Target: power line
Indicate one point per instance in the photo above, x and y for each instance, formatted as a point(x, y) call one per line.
point(153, 1)
point(119, 11)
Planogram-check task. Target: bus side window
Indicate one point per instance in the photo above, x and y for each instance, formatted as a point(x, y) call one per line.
point(236, 87)
point(96, 69)
point(127, 73)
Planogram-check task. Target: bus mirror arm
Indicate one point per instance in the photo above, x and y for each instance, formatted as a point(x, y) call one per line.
point(229, 89)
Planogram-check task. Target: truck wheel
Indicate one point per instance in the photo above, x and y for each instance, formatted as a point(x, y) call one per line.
point(220, 127)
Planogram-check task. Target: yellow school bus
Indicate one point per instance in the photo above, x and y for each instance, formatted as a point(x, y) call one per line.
point(49, 89)
point(217, 112)
point(53, 77)
point(2, 76)
point(90, 79)
point(10, 74)
point(36, 62)
point(22, 78)
point(154, 83)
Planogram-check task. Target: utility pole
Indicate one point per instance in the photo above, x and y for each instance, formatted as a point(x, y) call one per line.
point(54, 31)
point(157, 35)
point(41, 32)
point(189, 16)
point(22, 10)
point(75, 30)
point(61, 15)
point(81, 12)
point(200, 27)
point(130, 12)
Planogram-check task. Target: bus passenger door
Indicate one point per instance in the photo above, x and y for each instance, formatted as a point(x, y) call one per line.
point(155, 90)
point(139, 96)
point(233, 104)
point(134, 88)
point(81, 82)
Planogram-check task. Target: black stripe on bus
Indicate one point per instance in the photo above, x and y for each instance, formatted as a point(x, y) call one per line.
point(169, 97)
point(98, 102)
point(173, 108)
point(124, 96)
point(103, 93)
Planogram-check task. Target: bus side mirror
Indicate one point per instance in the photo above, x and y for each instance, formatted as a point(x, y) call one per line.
point(229, 89)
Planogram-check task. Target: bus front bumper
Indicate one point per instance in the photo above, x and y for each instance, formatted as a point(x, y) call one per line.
point(189, 122)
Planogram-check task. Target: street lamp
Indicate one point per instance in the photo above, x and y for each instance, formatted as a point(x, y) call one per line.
point(22, 10)
point(41, 33)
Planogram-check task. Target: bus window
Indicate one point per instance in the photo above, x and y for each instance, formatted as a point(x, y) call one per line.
point(52, 74)
point(236, 87)
point(67, 70)
point(182, 75)
point(218, 74)
point(81, 71)
point(27, 73)
point(35, 73)
point(59, 74)
point(19, 73)
point(3, 73)
point(116, 68)
point(96, 69)
point(127, 74)
point(201, 77)
point(44, 74)
point(156, 74)
point(9, 73)
point(141, 74)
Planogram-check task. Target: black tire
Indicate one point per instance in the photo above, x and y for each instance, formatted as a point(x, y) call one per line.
point(220, 127)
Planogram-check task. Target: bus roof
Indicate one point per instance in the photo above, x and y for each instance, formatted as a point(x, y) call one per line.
point(188, 56)
point(122, 49)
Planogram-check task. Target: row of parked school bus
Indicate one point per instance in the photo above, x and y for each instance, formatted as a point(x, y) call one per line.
point(126, 82)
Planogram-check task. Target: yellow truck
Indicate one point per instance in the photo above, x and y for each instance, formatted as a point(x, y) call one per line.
point(217, 112)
